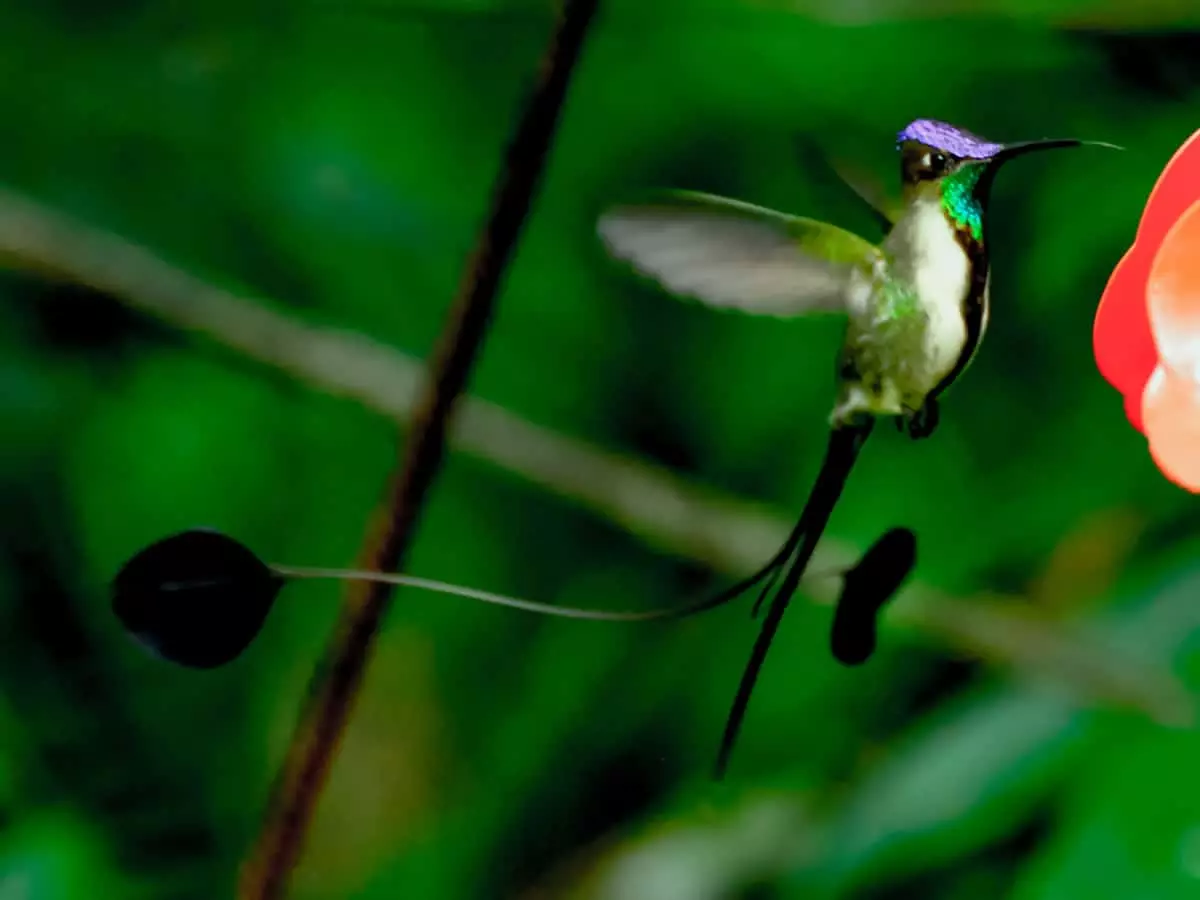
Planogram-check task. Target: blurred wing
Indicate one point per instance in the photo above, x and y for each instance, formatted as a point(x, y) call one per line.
point(733, 255)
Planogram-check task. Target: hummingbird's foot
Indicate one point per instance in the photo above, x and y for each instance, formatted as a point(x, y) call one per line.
point(921, 423)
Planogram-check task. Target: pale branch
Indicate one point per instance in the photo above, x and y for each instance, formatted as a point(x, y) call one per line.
point(731, 535)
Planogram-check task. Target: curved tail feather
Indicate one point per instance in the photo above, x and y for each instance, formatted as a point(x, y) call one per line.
point(845, 443)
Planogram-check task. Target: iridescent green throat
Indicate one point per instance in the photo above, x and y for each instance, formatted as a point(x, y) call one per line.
point(959, 200)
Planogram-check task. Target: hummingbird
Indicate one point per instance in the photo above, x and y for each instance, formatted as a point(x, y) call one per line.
point(916, 308)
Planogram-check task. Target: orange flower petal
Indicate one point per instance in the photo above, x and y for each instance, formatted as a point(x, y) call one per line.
point(1173, 295)
point(1171, 411)
point(1121, 338)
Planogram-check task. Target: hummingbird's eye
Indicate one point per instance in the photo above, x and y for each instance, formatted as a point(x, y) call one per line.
point(925, 164)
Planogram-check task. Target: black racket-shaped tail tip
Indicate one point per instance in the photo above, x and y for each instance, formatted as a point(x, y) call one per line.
point(197, 598)
point(866, 589)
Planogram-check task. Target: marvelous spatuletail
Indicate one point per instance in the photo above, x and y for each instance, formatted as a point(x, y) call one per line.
point(916, 307)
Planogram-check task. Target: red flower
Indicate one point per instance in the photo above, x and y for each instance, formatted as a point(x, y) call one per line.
point(1147, 329)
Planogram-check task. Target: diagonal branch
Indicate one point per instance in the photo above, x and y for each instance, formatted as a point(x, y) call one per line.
point(336, 684)
point(731, 535)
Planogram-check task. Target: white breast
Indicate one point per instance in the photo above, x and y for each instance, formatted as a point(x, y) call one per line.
point(927, 256)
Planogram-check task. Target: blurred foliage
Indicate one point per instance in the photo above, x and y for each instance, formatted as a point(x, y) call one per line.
point(335, 156)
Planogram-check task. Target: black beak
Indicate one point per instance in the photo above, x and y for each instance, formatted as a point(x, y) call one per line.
point(1012, 151)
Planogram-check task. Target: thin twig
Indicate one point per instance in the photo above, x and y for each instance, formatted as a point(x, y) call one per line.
point(729, 534)
point(335, 687)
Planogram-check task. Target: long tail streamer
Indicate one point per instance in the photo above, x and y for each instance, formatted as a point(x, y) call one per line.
point(845, 443)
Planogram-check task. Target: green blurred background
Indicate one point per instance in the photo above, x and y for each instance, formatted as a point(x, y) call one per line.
point(1025, 730)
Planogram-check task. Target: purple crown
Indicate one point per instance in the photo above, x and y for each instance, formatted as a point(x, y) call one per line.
point(944, 136)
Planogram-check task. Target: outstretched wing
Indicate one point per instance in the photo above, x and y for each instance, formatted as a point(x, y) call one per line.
point(734, 255)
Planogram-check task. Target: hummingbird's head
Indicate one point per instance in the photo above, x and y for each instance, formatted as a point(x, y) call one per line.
point(932, 151)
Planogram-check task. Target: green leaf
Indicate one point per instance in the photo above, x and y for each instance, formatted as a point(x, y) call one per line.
point(1131, 827)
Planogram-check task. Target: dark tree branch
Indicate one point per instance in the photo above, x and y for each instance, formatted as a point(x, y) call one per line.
point(336, 684)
